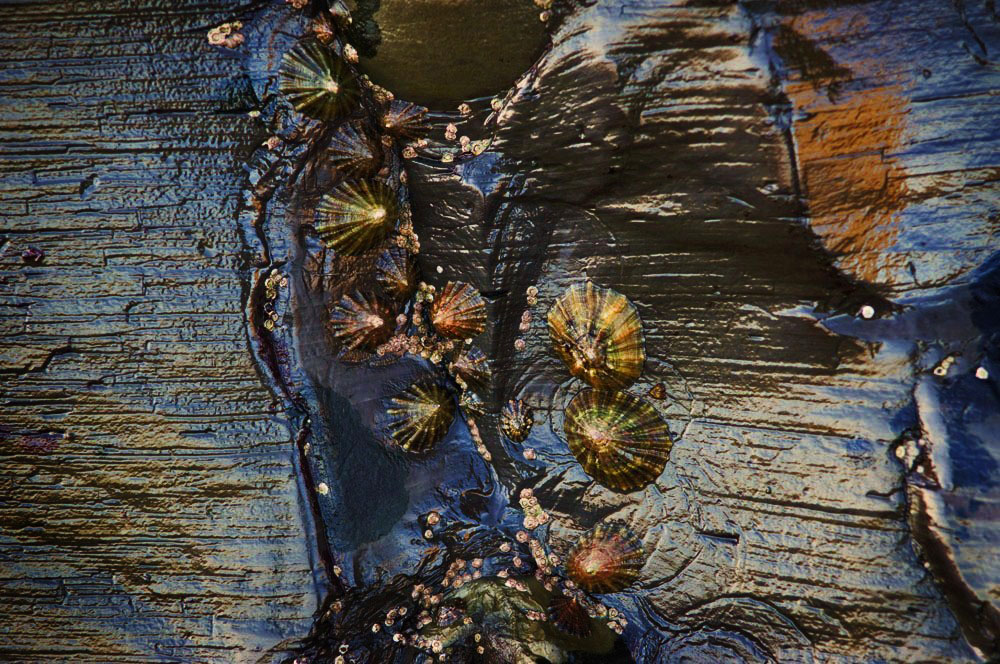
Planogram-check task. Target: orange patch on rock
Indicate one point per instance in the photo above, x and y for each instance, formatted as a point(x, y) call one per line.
point(854, 186)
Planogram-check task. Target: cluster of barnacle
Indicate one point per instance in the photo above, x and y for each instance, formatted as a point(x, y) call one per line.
point(442, 326)
point(526, 317)
point(606, 559)
point(273, 282)
point(227, 34)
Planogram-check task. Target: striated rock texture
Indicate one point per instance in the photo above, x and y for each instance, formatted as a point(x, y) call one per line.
point(799, 196)
point(162, 521)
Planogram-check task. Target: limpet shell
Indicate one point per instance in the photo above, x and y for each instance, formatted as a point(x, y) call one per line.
point(459, 311)
point(473, 367)
point(316, 82)
point(620, 440)
point(360, 322)
point(403, 119)
point(597, 333)
point(606, 559)
point(353, 152)
point(569, 616)
point(356, 216)
point(516, 420)
point(420, 416)
point(396, 272)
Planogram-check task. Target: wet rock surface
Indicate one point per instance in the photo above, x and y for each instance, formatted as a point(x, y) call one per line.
point(766, 181)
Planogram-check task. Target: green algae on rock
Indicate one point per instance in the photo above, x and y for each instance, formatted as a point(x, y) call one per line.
point(441, 52)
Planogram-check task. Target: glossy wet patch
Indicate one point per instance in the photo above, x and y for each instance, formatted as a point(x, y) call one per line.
point(440, 52)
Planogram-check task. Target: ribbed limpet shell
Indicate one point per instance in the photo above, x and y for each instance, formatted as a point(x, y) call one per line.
point(473, 367)
point(352, 152)
point(356, 216)
point(316, 82)
point(420, 416)
point(620, 440)
point(361, 322)
point(458, 311)
point(597, 333)
point(396, 272)
point(607, 559)
point(516, 420)
point(403, 119)
point(569, 616)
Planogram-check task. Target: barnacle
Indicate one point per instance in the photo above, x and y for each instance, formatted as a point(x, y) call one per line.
point(620, 440)
point(356, 216)
point(516, 420)
point(396, 272)
point(360, 322)
point(403, 119)
point(597, 333)
point(420, 416)
point(459, 311)
point(658, 392)
point(472, 367)
point(569, 616)
point(606, 559)
point(317, 82)
point(352, 151)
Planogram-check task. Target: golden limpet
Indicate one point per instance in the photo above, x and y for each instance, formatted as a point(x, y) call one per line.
point(597, 333)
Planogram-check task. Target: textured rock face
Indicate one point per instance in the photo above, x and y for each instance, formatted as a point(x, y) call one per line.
point(162, 522)
point(799, 197)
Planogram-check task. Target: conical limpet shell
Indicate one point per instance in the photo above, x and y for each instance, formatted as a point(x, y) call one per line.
point(351, 151)
point(472, 367)
point(316, 82)
point(597, 333)
point(516, 420)
point(606, 559)
point(569, 616)
point(459, 311)
point(420, 417)
point(396, 272)
point(620, 440)
point(403, 119)
point(360, 322)
point(356, 216)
